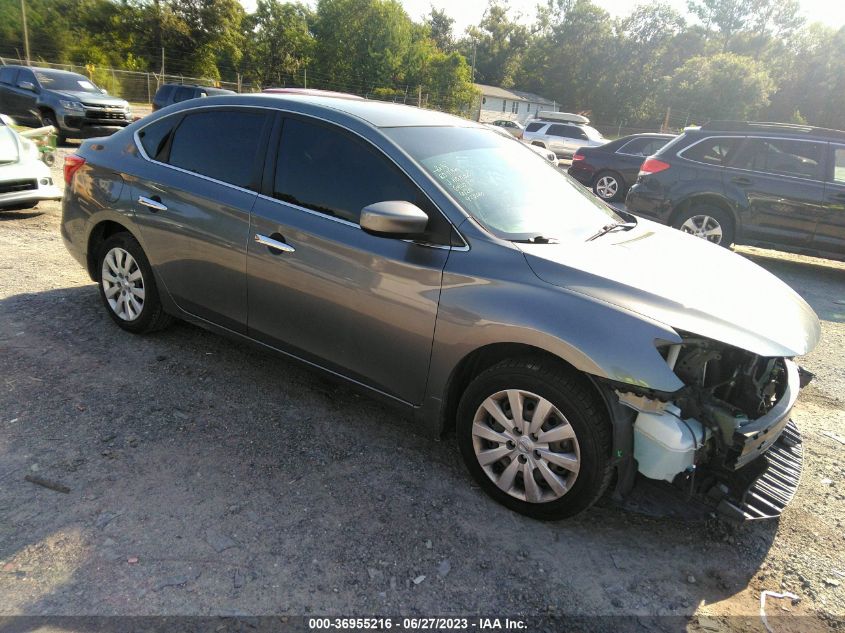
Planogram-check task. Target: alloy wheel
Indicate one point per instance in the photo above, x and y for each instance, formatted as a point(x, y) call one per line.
point(607, 187)
point(123, 284)
point(703, 226)
point(526, 446)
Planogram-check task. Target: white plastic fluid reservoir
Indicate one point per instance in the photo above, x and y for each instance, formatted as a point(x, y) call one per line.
point(665, 445)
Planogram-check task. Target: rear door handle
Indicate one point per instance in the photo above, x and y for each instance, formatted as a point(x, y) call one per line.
point(276, 246)
point(741, 181)
point(153, 203)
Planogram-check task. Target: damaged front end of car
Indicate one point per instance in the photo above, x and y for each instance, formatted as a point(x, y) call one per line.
point(726, 436)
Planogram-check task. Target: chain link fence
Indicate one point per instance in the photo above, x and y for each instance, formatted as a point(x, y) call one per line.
point(136, 87)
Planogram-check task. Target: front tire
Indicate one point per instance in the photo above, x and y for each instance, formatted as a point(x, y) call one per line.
point(48, 118)
point(707, 222)
point(536, 438)
point(127, 286)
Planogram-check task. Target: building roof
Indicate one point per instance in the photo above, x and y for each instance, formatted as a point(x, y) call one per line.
point(513, 95)
point(533, 98)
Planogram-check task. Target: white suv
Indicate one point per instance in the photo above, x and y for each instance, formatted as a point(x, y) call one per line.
point(564, 139)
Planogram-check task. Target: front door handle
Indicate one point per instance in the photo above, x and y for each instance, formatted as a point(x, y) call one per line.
point(154, 203)
point(741, 181)
point(276, 246)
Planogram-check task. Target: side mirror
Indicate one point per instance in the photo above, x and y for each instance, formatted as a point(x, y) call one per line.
point(104, 91)
point(27, 85)
point(394, 218)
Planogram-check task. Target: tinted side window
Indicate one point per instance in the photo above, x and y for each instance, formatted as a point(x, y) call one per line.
point(183, 94)
point(839, 165)
point(220, 144)
point(782, 156)
point(533, 127)
point(329, 171)
point(636, 147)
point(713, 151)
point(8, 76)
point(654, 145)
point(154, 137)
point(164, 93)
point(26, 75)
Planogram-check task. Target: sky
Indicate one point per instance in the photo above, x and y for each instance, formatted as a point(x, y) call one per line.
point(466, 12)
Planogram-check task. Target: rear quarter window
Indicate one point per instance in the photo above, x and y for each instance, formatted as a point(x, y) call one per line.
point(8, 76)
point(716, 151)
point(533, 127)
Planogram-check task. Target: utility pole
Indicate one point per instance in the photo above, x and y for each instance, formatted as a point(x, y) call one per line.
point(472, 74)
point(305, 77)
point(25, 32)
point(419, 96)
point(162, 63)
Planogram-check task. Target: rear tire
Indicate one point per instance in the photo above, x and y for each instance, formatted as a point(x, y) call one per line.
point(609, 186)
point(127, 286)
point(548, 466)
point(708, 222)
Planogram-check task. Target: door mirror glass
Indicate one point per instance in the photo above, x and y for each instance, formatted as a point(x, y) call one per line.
point(394, 218)
point(27, 85)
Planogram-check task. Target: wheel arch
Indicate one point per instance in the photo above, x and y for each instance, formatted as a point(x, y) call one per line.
point(716, 200)
point(482, 358)
point(102, 231)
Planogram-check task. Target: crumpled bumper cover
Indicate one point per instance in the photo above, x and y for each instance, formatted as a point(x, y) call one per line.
point(771, 491)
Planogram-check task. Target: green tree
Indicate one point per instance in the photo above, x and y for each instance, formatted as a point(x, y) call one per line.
point(727, 17)
point(440, 29)
point(278, 42)
point(360, 44)
point(724, 86)
point(497, 44)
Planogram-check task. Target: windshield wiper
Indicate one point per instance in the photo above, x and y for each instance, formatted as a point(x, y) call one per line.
point(611, 227)
point(537, 239)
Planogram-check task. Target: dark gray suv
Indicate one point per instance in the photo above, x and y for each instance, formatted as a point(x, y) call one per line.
point(69, 102)
point(427, 261)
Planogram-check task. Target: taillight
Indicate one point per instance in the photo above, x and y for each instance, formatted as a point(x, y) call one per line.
point(653, 166)
point(72, 165)
point(578, 156)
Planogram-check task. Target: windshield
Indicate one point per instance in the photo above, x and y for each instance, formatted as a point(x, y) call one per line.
point(509, 189)
point(65, 81)
point(592, 133)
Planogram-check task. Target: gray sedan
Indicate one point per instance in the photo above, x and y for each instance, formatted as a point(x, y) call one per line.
point(415, 256)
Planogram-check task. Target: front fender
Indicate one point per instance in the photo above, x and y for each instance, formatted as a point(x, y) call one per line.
point(514, 306)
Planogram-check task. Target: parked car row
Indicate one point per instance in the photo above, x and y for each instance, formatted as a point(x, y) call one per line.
point(772, 185)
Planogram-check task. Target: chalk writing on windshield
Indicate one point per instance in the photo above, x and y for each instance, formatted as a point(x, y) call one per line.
point(458, 180)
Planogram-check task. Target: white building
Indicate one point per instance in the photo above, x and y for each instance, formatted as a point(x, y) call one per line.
point(515, 105)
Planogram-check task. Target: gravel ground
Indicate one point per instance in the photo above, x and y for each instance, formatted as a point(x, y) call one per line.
point(208, 478)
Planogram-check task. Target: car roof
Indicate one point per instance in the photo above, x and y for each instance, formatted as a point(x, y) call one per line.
point(376, 113)
point(765, 128)
point(43, 69)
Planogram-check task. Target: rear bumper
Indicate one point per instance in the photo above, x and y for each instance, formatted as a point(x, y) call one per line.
point(642, 203)
point(582, 175)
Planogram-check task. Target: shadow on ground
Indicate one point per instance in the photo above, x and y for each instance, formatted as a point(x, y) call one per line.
point(208, 478)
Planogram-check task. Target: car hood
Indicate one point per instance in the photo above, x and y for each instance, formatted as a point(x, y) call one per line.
point(91, 98)
point(686, 283)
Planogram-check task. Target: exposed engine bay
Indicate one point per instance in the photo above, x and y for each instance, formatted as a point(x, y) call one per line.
point(711, 435)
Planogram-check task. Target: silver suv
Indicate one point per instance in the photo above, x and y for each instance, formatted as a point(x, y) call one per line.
point(564, 139)
point(477, 289)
